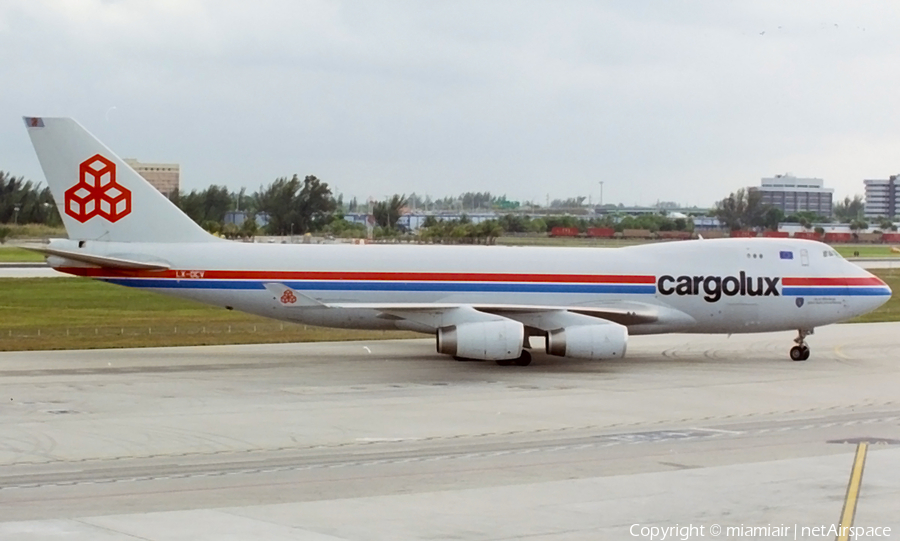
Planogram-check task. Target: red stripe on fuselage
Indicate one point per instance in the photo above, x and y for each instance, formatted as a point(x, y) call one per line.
point(848, 281)
point(360, 276)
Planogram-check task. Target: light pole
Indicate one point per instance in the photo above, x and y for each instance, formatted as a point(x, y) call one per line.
point(292, 232)
point(16, 214)
point(601, 193)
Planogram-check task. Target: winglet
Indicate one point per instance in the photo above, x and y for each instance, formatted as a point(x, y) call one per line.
point(291, 298)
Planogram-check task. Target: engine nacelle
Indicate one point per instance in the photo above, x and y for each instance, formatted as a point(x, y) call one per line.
point(593, 342)
point(488, 340)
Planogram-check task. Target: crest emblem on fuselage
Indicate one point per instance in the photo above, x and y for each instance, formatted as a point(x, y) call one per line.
point(799, 301)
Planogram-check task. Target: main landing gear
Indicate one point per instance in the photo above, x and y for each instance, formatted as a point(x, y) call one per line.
point(523, 360)
point(800, 352)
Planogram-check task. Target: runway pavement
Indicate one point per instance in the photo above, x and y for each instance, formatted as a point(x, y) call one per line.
point(387, 440)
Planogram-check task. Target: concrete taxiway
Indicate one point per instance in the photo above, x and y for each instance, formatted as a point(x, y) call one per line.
point(387, 440)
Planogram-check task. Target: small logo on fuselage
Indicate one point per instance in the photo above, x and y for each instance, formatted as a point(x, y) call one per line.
point(713, 287)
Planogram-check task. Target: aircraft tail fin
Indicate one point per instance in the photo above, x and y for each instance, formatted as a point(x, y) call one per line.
point(99, 196)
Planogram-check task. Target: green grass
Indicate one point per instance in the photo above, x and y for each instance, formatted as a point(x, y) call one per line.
point(35, 231)
point(11, 254)
point(865, 250)
point(67, 313)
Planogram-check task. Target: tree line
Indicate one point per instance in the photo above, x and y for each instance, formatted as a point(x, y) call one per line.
point(744, 209)
point(291, 205)
point(24, 202)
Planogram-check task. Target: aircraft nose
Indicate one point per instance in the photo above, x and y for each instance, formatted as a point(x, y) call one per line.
point(878, 293)
point(878, 282)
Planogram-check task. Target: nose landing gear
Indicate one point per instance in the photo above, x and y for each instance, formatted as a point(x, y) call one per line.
point(800, 352)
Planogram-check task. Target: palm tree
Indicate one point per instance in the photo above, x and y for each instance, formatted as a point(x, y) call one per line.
point(388, 212)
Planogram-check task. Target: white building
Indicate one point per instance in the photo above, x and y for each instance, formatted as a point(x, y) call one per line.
point(881, 198)
point(792, 194)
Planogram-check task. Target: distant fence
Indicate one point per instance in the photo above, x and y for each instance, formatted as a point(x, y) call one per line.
point(829, 237)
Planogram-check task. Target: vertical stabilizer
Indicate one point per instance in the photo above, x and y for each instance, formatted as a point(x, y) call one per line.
point(99, 196)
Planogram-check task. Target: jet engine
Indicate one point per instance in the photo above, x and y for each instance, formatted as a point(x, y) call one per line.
point(488, 340)
point(593, 342)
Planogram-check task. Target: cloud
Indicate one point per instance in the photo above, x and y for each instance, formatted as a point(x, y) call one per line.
point(660, 101)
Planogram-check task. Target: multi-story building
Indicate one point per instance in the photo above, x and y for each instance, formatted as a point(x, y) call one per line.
point(881, 198)
point(792, 194)
point(165, 177)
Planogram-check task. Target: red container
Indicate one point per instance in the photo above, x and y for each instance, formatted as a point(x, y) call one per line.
point(743, 234)
point(564, 232)
point(890, 237)
point(808, 235)
point(776, 234)
point(601, 232)
point(838, 237)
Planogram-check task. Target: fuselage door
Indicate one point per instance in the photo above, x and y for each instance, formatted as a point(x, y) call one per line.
point(804, 258)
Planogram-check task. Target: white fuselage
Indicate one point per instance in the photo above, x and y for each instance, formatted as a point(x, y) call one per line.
point(705, 286)
point(480, 302)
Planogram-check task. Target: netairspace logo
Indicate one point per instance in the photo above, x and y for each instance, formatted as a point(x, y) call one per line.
point(769, 531)
point(713, 287)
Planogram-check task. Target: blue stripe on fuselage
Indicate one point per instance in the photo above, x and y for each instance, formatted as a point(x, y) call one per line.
point(463, 287)
point(837, 291)
point(479, 287)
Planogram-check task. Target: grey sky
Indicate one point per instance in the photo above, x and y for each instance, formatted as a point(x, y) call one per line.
point(682, 101)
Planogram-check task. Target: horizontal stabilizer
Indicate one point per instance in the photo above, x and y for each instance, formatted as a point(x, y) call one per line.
point(98, 260)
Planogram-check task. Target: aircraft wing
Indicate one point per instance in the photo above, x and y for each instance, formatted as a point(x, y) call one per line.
point(442, 314)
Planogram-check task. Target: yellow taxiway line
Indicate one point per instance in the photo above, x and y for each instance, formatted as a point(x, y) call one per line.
point(856, 474)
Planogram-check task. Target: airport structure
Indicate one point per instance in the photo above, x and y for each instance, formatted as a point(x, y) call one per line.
point(165, 177)
point(413, 221)
point(792, 194)
point(881, 198)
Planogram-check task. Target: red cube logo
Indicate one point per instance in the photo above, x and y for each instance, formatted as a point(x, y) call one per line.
point(97, 193)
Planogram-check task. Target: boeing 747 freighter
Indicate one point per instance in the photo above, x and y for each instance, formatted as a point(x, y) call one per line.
point(479, 302)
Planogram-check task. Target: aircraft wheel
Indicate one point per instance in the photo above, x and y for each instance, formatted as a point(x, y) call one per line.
point(524, 359)
point(797, 353)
